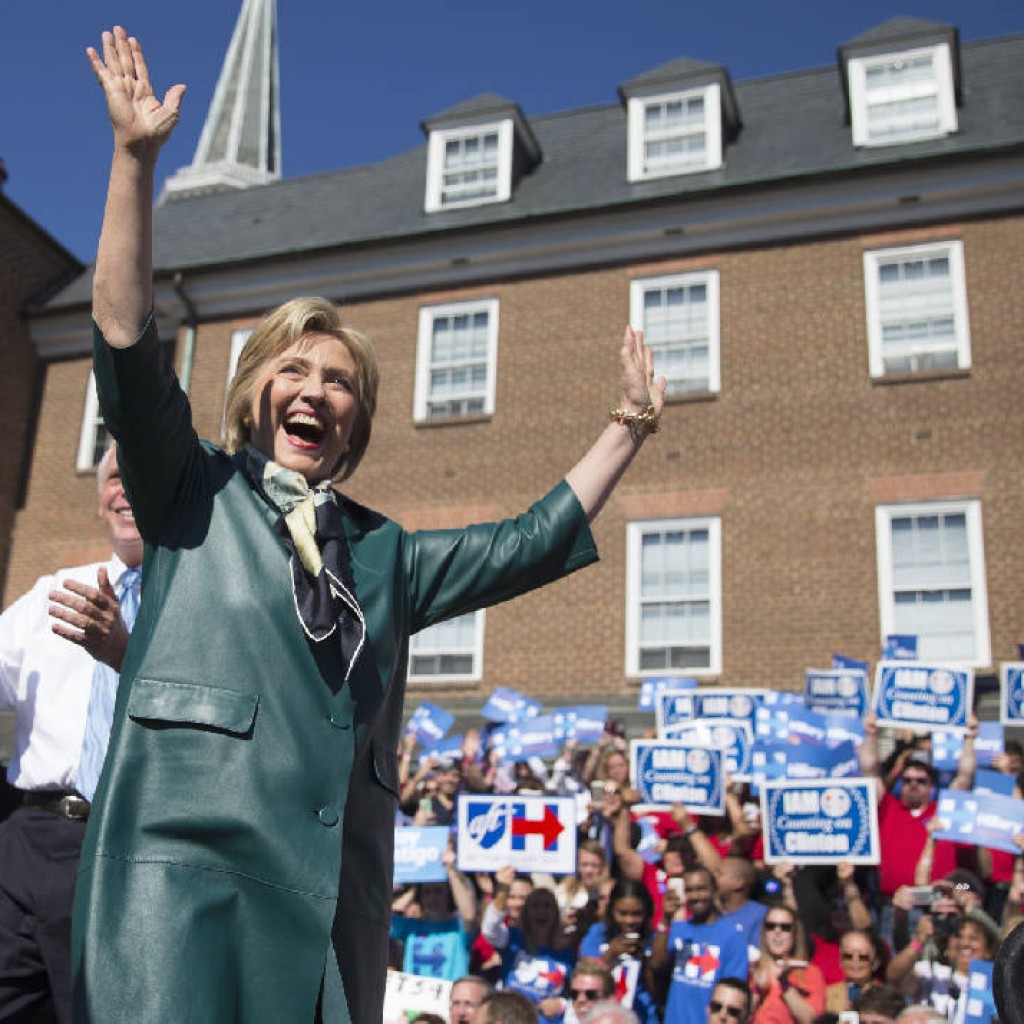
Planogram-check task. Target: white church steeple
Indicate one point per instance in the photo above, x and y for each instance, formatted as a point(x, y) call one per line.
point(241, 141)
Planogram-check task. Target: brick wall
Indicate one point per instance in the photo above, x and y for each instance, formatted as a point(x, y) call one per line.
point(793, 454)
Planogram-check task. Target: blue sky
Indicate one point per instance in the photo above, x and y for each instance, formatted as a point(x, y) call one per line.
point(357, 79)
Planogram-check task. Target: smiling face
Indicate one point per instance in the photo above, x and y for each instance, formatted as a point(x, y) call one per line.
point(628, 913)
point(857, 957)
point(590, 867)
point(974, 945)
point(777, 929)
point(304, 406)
point(117, 514)
point(700, 894)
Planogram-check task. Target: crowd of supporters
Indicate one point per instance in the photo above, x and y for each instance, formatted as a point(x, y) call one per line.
point(694, 927)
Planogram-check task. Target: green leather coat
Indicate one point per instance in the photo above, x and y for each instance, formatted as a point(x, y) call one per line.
point(239, 852)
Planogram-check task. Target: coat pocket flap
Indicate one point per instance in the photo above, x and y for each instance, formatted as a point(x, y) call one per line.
point(192, 704)
point(385, 767)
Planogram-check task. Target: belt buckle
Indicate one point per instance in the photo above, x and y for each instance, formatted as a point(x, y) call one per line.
point(74, 807)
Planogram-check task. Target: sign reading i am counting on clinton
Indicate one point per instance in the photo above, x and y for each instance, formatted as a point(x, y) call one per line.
point(653, 685)
point(532, 833)
point(736, 738)
point(820, 822)
point(583, 723)
point(418, 852)
point(839, 691)
point(921, 695)
point(670, 772)
point(505, 705)
point(428, 723)
point(1011, 702)
point(982, 819)
point(672, 708)
point(532, 737)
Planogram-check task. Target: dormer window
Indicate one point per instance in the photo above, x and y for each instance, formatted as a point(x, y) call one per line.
point(468, 166)
point(675, 133)
point(902, 97)
point(477, 152)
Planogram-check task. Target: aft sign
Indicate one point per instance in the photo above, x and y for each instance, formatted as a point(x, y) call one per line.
point(532, 833)
point(821, 822)
point(670, 772)
point(921, 695)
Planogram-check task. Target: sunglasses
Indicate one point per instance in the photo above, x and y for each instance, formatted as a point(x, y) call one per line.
point(782, 926)
point(585, 993)
point(860, 958)
point(733, 1011)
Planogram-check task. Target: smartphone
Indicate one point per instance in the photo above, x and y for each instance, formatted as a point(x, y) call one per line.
point(597, 792)
point(922, 895)
point(426, 807)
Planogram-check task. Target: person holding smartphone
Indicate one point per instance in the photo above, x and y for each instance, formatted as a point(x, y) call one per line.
point(786, 988)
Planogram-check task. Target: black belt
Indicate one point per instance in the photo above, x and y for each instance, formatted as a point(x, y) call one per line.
point(66, 803)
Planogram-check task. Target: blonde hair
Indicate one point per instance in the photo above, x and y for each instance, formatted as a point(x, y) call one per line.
point(278, 331)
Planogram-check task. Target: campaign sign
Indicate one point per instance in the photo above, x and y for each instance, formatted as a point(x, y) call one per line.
point(653, 685)
point(418, 852)
point(407, 995)
point(778, 759)
point(672, 708)
point(583, 722)
point(922, 695)
point(990, 742)
point(1011, 702)
point(991, 782)
point(900, 647)
point(841, 728)
point(429, 723)
point(670, 772)
point(820, 822)
point(794, 723)
point(532, 833)
point(979, 818)
point(735, 737)
point(532, 737)
point(946, 749)
point(839, 691)
point(843, 661)
point(506, 705)
point(981, 1005)
point(450, 748)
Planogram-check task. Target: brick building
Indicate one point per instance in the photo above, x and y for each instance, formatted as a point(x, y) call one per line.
point(827, 262)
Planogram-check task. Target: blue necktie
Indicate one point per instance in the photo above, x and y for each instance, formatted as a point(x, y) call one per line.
point(100, 715)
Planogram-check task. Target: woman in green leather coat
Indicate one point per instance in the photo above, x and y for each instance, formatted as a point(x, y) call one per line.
point(239, 853)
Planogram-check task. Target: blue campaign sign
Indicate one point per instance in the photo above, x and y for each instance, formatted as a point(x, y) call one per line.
point(841, 728)
point(506, 705)
point(534, 737)
point(837, 691)
point(843, 661)
point(418, 852)
point(980, 1007)
point(995, 783)
point(792, 722)
point(449, 747)
point(1011, 703)
point(989, 743)
point(946, 749)
point(820, 822)
point(733, 735)
point(428, 723)
point(670, 772)
point(981, 819)
point(900, 647)
point(532, 833)
point(922, 695)
point(583, 722)
point(653, 685)
point(707, 702)
point(778, 759)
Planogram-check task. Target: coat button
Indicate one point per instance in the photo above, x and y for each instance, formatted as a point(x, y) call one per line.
point(339, 721)
point(327, 815)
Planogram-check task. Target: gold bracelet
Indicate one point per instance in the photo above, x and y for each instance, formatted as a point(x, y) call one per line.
point(646, 417)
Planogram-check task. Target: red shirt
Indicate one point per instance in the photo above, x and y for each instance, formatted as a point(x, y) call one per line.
point(901, 835)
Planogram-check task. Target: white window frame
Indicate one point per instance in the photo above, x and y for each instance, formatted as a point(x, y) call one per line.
point(960, 346)
point(971, 509)
point(424, 366)
point(436, 150)
point(92, 423)
point(638, 289)
point(635, 532)
point(239, 337)
point(477, 652)
point(940, 86)
point(637, 169)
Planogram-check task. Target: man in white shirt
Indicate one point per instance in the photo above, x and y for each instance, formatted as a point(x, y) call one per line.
point(50, 641)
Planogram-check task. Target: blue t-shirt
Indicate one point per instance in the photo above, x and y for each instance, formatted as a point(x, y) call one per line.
point(750, 916)
point(630, 986)
point(702, 954)
point(434, 949)
point(538, 974)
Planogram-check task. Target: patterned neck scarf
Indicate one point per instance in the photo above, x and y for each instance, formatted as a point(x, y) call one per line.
point(310, 526)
